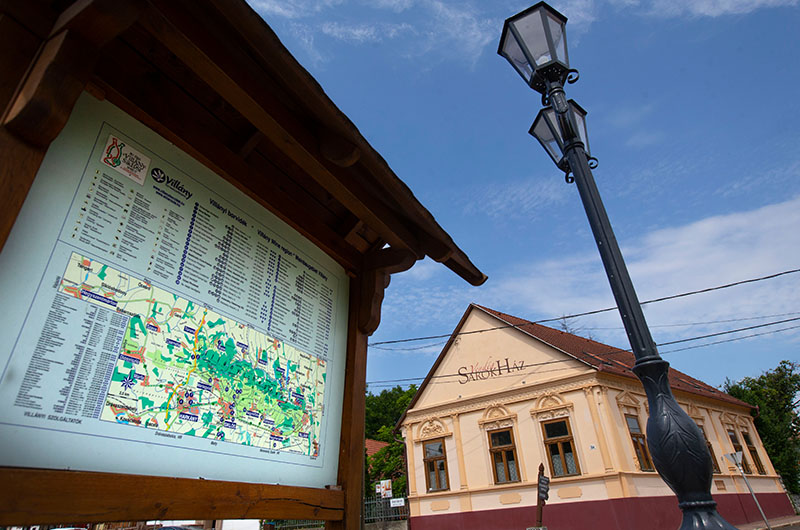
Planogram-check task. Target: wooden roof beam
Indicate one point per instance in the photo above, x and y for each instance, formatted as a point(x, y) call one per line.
point(183, 37)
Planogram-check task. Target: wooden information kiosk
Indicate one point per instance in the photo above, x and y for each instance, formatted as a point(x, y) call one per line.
point(195, 247)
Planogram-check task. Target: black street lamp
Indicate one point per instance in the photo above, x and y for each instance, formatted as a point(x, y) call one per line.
point(534, 42)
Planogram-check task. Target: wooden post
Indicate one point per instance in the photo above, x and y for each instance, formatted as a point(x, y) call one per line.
point(540, 502)
point(351, 446)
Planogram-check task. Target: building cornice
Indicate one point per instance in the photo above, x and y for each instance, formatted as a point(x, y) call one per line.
point(503, 398)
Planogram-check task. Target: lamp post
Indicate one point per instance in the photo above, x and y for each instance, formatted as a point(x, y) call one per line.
point(534, 42)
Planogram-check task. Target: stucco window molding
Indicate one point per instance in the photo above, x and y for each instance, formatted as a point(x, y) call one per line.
point(735, 419)
point(628, 403)
point(430, 429)
point(497, 417)
point(550, 407)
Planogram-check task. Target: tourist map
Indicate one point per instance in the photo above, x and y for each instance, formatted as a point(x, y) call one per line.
point(185, 369)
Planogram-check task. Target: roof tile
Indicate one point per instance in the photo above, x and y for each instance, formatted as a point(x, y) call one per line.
point(607, 358)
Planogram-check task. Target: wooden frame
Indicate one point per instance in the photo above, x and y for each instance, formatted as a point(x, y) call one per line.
point(558, 442)
point(751, 449)
point(435, 460)
point(714, 463)
point(231, 96)
point(502, 451)
point(737, 448)
point(640, 450)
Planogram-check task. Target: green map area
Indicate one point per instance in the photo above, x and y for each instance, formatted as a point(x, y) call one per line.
point(184, 369)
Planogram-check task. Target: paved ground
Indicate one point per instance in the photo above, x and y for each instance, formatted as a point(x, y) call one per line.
point(784, 523)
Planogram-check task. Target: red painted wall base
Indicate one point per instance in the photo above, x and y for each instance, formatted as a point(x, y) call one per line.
point(652, 513)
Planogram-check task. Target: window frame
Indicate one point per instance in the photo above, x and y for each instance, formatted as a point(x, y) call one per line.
point(640, 449)
point(434, 460)
point(736, 442)
point(558, 441)
point(714, 462)
point(501, 450)
point(751, 449)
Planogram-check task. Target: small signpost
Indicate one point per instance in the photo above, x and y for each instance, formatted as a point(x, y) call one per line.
point(541, 498)
point(397, 503)
point(736, 458)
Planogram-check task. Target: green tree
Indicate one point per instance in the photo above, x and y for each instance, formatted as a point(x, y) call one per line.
point(382, 414)
point(775, 393)
point(388, 463)
point(384, 409)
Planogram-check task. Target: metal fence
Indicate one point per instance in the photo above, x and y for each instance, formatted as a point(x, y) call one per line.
point(293, 524)
point(378, 509)
point(375, 510)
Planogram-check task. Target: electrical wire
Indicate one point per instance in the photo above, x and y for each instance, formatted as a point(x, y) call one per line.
point(387, 382)
point(597, 311)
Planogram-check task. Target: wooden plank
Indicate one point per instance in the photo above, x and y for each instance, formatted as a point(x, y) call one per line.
point(217, 66)
point(38, 16)
point(167, 109)
point(19, 165)
point(36, 496)
point(44, 102)
point(351, 446)
point(98, 21)
point(18, 47)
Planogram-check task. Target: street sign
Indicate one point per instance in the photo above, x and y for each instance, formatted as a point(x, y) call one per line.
point(397, 503)
point(544, 487)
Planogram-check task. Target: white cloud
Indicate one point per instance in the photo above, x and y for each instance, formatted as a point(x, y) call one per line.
point(422, 270)
point(522, 199)
point(457, 31)
point(398, 6)
point(712, 8)
point(710, 252)
point(305, 38)
point(361, 33)
point(642, 139)
point(580, 13)
point(291, 8)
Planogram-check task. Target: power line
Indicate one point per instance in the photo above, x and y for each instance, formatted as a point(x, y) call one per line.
point(732, 340)
point(730, 331)
point(596, 311)
point(617, 350)
point(685, 324)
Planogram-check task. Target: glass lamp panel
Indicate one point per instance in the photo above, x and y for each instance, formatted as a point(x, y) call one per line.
point(580, 121)
point(513, 53)
point(543, 130)
point(530, 28)
point(558, 38)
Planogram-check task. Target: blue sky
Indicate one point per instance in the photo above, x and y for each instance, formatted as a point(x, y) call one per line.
point(692, 112)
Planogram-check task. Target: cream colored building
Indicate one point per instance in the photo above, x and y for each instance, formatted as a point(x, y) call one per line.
point(498, 403)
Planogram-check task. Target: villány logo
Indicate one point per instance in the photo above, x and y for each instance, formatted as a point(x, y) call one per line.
point(161, 177)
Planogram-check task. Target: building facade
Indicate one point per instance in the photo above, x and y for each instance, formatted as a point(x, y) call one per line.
point(498, 403)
